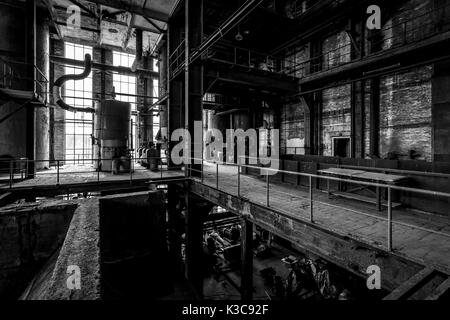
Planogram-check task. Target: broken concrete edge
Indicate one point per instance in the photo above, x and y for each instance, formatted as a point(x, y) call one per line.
point(81, 249)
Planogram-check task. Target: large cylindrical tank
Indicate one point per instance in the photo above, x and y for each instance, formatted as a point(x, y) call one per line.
point(241, 120)
point(112, 132)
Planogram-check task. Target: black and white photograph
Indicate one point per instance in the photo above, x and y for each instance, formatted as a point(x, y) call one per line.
point(225, 158)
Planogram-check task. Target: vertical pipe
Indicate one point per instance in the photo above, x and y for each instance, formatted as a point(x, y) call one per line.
point(186, 81)
point(389, 219)
point(311, 200)
point(98, 169)
point(268, 190)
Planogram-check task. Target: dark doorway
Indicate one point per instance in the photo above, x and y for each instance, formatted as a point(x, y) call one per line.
point(341, 147)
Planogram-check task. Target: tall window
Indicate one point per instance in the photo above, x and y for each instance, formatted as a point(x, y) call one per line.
point(125, 86)
point(79, 126)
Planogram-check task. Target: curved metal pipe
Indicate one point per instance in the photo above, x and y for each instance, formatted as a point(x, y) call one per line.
point(60, 81)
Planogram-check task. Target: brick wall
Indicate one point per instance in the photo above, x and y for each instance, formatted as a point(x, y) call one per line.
point(367, 102)
point(295, 61)
point(405, 113)
point(336, 116)
point(292, 128)
point(405, 22)
point(336, 50)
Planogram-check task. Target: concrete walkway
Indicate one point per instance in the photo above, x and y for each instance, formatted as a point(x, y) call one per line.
point(422, 237)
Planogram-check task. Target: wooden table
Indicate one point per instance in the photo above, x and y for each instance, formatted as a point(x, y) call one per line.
point(364, 176)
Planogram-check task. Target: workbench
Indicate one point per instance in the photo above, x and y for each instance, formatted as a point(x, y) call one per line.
point(363, 176)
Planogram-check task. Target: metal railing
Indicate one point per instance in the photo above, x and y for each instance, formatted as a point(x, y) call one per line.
point(313, 179)
point(212, 178)
point(20, 166)
point(237, 56)
point(13, 75)
point(177, 60)
point(417, 28)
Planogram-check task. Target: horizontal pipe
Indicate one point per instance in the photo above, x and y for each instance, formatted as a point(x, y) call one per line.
point(105, 67)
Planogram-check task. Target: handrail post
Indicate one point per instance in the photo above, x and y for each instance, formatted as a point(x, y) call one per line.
point(267, 189)
point(239, 179)
point(203, 171)
point(389, 245)
point(217, 176)
point(98, 170)
point(57, 172)
point(11, 170)
point(311, 201)
point(131, 170)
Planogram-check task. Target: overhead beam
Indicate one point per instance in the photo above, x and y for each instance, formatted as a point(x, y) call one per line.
point(84, 8)
point(237, 17)
point(127, 6)
point(255, 79)
point(154, 25)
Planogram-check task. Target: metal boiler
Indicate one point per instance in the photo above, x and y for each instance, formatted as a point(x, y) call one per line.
point(111, 133)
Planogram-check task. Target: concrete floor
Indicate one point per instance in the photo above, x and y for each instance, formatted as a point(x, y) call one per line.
point(223, 287)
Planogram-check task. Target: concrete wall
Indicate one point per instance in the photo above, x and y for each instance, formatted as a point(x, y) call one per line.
point(42, 114)
point(28, 237)
point(58, 138)
point(12, 133)
point(132, 235)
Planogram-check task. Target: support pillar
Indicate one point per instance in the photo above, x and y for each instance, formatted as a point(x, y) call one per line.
point(195, 216)
point(247, 260)
point(174, 226)
point(42, 113)
point(30, 112)
point(194, 83)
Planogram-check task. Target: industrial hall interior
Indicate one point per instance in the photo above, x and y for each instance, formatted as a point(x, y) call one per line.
point(208, 150)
